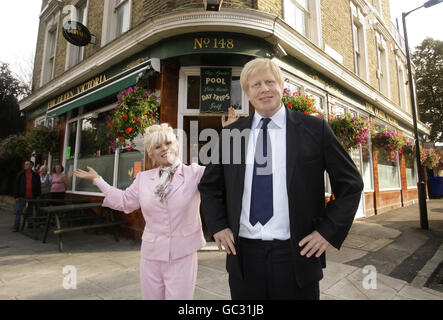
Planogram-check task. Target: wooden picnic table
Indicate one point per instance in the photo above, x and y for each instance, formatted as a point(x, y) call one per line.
point(38, 218)
point(75, 217)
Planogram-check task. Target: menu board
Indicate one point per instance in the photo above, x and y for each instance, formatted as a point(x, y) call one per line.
point(215, 90)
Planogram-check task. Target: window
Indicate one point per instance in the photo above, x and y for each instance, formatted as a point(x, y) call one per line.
point(382, 65)
point(191, 81)
point(411, 172)
point(49, 61)
point(116, 19)
point(88, 145)
point(304, 16)
point(122, 15)
point(362, 156)
point(401, 82)
point(378, 6)
point(75, 53)
point(359, 41)
point(388, 171)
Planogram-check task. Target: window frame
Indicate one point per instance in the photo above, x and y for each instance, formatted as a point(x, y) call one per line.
point(382, 65)
point(49, 61)
point(72, 49)
point(386, 126)
point(347, 108)
point(78, 120)
point(312, 19)
point(109, 28)
point(360, 54)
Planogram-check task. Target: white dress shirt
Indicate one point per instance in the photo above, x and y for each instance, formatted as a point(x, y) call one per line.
point(278, 226)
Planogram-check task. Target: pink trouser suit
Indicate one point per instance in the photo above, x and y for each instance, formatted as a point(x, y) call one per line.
point(173, 231)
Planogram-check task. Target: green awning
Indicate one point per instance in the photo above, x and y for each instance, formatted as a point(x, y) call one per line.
point(110, 87)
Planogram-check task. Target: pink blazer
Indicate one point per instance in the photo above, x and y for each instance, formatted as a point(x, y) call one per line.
point(173, 230)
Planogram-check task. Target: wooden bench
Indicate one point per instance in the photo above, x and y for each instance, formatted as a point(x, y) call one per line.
point(64, 216)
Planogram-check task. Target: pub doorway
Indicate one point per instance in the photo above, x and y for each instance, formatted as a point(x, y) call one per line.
point(191, 121)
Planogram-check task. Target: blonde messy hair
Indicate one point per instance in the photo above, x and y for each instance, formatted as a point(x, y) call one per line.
point(159, 134)
point(259, 65)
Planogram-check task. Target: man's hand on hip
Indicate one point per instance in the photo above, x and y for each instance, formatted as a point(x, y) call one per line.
point(314, 244)
point(225, 237)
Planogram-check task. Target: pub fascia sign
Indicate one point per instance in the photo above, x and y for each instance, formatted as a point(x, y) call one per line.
point(77, 34)
point(77, 90)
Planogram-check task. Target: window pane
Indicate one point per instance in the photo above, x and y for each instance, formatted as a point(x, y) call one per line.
point(367, 167)
point(130, 163)
point(122, 15)
point(411, 173)
point(388, 175)
point(193, 92)
point(236, 93)
point(70, 150)
point(95, 151)
point(300, 21)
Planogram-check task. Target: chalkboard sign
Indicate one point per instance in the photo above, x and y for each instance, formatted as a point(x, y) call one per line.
point(215, 90)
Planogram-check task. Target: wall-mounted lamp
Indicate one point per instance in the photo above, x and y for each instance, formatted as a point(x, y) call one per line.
point(279, 52)
point(212, 5)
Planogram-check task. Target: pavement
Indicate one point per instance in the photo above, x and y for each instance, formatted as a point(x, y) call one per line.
point(385, 257)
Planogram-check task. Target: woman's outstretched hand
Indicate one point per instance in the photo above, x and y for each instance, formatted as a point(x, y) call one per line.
point(91, 174)
point(232, 117)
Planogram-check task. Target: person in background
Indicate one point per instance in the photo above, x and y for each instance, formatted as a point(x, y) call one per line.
point(46, 182)
point(27, 186)
point(37, 168)
point(59, 183)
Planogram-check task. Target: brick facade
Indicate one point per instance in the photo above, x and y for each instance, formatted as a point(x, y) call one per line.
point(336, 32)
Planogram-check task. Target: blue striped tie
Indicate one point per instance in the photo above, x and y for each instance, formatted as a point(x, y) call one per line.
point(262, 207)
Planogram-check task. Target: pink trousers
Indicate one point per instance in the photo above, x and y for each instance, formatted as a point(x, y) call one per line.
point(171, 280)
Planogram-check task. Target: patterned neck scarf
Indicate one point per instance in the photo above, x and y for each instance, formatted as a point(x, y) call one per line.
point(166, 174)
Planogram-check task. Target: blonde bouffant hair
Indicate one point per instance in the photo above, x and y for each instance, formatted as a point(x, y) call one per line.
point(159, 134)
point(259, 65)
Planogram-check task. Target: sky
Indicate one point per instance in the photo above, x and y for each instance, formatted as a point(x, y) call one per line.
point(19, 21)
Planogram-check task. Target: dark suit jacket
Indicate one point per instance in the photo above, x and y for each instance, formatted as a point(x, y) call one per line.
point(20, 185)
point(311, 148)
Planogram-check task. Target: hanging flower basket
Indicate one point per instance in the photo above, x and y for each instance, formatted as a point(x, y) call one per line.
point(429, 158)
point(300, 102)
point(352, 131)
point(14, 146)
point(43, 140)
point(408, 151)
point(136, 110)
point(389, 143)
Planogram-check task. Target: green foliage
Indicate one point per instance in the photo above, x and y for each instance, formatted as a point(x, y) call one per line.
point(136, 110)
point(14, 146)
point(389, 143)
point(43, 140)
point(428, 60)
point(352, 131)
point(300, 102)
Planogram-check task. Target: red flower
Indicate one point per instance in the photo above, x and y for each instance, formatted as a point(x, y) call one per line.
point(128, 130)
point(290, 105)
point(125, 116)
point(152, 117)
point(121, 138)
point(109, 124)
point(306, 112)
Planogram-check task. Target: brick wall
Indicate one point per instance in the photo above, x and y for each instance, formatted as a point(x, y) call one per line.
point(337, 29)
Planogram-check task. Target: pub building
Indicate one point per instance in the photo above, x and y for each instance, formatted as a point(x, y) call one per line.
point(346, 54)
